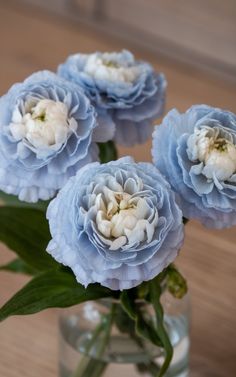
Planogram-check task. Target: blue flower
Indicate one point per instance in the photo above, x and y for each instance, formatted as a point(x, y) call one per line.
point(196, 151)
point(47, 132)
point(126, 90)
point(116, 224)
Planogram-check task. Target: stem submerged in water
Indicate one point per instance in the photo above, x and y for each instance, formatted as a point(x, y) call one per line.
point(130, 317)
point(94, 366)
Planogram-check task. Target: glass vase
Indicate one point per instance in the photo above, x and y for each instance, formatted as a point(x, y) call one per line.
point(98, 339)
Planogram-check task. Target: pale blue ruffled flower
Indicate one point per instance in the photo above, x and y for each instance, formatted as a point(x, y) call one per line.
point(201, 173)
point(33, 173)
point(81, 214)
point(131, 99)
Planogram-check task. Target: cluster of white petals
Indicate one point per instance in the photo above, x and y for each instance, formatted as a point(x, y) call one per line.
point(105, 67)
point(44, 124)
point(217, 153)
point(123, 218)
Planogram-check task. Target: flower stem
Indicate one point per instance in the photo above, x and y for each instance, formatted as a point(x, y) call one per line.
point(94, 366)
point(151, 367)
point(107, 330)
point(82, 365)
point(155, 294)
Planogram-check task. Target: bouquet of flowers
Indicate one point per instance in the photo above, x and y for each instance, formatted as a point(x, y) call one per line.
point(87, 225)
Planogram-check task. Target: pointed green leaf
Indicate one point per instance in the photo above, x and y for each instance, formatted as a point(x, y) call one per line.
point(25, 231)
point(51, 289)
point(18, 266)
point(13, 201)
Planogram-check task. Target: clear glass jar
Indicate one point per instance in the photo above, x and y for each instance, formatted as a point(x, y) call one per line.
point(97, 339)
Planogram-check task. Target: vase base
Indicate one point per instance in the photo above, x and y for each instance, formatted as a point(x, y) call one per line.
point(117, 370)
point(125, 354)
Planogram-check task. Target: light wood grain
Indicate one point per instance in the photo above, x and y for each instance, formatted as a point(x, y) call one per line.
point(198, 32)
point(28, 345)
point(191, 25)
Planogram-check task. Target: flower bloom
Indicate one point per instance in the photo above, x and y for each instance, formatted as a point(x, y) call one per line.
point(116, 224)
point(127, 91)
point(47, 132)
point(196, 151)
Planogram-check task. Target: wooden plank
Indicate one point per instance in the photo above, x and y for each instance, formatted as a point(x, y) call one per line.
point(198, 32)
point(205, 27)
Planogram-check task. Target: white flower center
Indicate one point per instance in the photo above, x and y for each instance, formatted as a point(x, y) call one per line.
point(105, 67)
point(124, 219)
point(217, 153)
point(44, 124)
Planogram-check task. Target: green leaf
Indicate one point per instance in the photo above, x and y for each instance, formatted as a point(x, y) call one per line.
point(155, 295)
point(107, 151)
point(18, 266)
point(25, 231)
point(143, 327)
point(176, 283)
point(13, 201)
point(48, 290)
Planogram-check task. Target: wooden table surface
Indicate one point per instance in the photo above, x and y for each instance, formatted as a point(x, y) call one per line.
point(33, 41)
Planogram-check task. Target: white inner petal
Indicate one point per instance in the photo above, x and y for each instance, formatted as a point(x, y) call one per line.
point(45, 125)
point(217, 153)
point(105, 67)
point(123, 219)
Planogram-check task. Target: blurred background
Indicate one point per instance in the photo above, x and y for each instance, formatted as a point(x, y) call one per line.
point(201, 32)
point(194, 44)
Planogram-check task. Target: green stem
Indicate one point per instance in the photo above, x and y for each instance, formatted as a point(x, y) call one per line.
point(127, 321)
point(185, 220)
point(155, 294)
point(82, 365)
point(107, 151)
point(108, 325)
point(94, 366)
point(150, 367)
